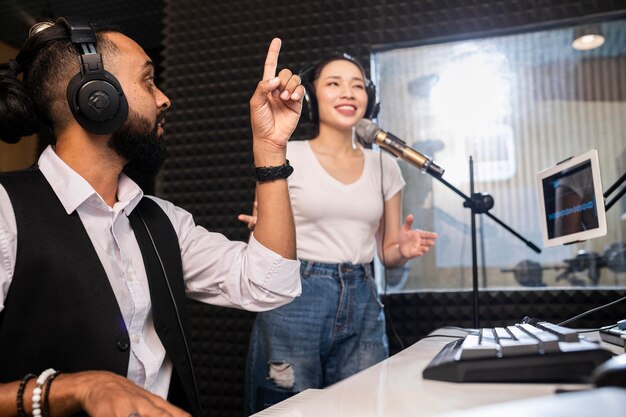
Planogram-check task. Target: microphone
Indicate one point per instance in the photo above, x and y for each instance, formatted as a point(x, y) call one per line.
point(370, 132)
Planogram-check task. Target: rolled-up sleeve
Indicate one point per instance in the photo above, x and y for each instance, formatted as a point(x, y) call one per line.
point(231, 273)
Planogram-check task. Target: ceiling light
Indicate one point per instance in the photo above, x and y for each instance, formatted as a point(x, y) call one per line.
point(587, 37)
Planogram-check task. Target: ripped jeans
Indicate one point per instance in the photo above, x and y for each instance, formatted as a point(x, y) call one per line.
point(335, 329)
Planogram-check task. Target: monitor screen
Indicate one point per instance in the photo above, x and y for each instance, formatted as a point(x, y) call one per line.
point(572, 204)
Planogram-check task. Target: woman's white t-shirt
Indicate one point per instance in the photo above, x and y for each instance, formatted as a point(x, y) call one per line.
point(337, 222)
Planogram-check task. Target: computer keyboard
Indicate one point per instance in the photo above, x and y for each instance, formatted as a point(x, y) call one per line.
point(615, 335)
point(525, 352)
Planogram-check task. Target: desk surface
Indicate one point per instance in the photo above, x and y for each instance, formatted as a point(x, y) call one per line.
point(395, 387)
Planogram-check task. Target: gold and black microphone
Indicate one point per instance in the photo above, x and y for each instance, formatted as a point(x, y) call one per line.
point(370, 132)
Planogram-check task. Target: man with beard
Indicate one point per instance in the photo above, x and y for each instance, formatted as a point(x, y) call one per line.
point(93, 274)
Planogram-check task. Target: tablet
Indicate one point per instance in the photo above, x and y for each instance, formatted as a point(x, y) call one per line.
point(571, 200)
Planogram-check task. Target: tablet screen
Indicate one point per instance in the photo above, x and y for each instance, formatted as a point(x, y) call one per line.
point(571, 200)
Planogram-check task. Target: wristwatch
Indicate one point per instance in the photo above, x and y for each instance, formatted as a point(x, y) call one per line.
point(273, 173)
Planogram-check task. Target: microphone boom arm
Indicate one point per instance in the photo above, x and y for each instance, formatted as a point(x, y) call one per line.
point(470, 202)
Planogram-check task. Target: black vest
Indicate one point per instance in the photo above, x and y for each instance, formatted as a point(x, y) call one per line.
point(60, 310)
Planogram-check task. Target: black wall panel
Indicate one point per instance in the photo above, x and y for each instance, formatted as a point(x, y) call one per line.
point(414, 315)
point(213, 58)
point(140, 19)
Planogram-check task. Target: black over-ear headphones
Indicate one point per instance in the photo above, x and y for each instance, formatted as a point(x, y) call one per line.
point(96, 98)
point(308, 74)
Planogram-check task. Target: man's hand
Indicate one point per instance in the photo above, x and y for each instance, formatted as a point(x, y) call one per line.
point(275, 108)
point(104, 394)
point(98, 393)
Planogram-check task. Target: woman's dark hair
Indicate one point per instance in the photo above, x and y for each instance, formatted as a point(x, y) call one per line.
point(46, 61)
point(317, 69)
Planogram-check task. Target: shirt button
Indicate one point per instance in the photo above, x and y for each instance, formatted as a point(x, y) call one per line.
point(130, 276)
point(123, 345)
point(135, 338)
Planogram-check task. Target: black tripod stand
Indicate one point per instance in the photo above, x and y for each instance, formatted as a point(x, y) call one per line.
point(480, 203)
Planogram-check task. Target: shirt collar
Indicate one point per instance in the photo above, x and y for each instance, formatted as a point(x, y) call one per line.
point(73, 190)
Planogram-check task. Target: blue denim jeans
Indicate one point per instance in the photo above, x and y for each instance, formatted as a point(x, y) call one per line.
point(335, 329)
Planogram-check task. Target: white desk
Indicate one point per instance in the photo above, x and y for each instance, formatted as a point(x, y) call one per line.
point(395, 387)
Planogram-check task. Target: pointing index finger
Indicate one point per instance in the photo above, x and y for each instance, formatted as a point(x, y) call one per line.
point(271, 61)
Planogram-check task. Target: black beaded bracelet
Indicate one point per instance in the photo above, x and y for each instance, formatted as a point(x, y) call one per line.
point(20, 394)
point(45, 407)
point(273, 173)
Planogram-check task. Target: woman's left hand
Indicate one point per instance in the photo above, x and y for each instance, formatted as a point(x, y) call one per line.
point(414, 242)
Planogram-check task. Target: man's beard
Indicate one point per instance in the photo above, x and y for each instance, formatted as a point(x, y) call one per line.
point(140, 144)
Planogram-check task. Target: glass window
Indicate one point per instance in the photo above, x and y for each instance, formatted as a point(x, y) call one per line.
point(516, 104)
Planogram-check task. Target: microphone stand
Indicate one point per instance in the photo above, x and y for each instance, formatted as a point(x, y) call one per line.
point(479, 203)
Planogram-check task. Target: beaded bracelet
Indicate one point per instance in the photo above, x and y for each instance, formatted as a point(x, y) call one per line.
point(45, 407)
point(41, 379)
point(20, 394)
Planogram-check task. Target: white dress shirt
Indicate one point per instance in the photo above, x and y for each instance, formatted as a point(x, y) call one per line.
point(216, 270)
